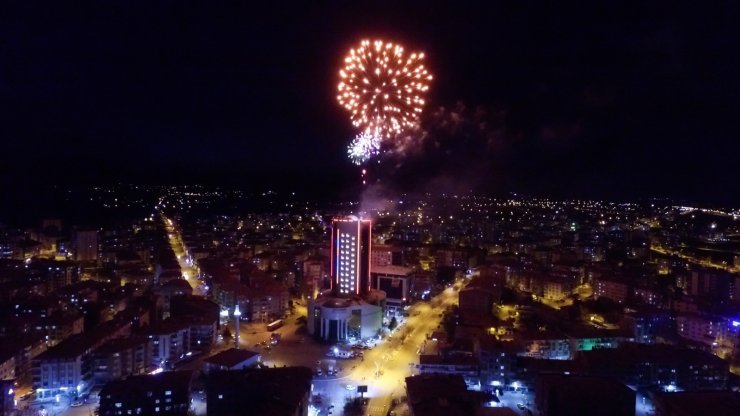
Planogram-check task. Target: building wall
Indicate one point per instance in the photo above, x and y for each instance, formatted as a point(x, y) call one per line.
point(132, 361)
point(7, 369)
point(202, 336)
point(332, 323)
point(476, 300)
point(249, 362)
point(159, 401)
point(350, 256)
point(554, 290)
point(61, 376)
point(553, 349)
point(395, 287)
point(615, 291)
point(7, 398)
point(168, 348)
point(86, 242)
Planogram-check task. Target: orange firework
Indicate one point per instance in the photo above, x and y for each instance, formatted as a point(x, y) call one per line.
point(382, 87)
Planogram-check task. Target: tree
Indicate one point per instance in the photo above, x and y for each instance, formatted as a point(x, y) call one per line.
point(393, 324)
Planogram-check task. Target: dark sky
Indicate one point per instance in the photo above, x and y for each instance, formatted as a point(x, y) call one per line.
point(624, 100)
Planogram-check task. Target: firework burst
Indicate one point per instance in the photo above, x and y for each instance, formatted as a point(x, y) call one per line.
point(363, 147)
point(383, 87)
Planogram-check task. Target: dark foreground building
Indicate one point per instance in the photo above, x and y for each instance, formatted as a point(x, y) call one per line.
point(7, 397)
point(266, 392)
point(697, 403)
point(443, 395)
point(165, 393)
point(564, 395)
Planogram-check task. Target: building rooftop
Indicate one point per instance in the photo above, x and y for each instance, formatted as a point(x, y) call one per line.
point(230, 357)
point(585, 331)
point(450, 359)
point(140, 385)
point(542, 335)
point(391, 270)
point(632, 354)
point(117, 345)
point(79, 344)
point(168, 326)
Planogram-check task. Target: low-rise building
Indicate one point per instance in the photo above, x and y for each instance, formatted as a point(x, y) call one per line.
point(589, 338)
point(203, 333)
point(657, 365)
point(611, 289)
point(121, 358)
point(545, 345)
point(394, 281)
point(170, 342)
point(497, 359)
point(648, 327)
point(231, 359)
point(460, 364)
point(67, 368)
point(331, 318)
point(554, 290)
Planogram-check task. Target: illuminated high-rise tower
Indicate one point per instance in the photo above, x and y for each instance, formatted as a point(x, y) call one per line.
point(350, 256)
point(352, 310)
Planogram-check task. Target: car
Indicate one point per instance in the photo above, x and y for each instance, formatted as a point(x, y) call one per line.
point(76, 404)
point(521, 406)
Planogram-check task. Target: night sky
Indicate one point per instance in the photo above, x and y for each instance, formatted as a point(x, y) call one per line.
point(615, 101)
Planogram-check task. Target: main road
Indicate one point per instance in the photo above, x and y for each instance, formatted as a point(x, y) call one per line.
point(187, 266)
point(387, 366)
point(383, 369)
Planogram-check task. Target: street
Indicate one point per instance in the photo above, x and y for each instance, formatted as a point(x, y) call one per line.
point(187, 266)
